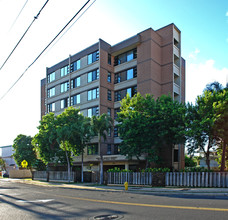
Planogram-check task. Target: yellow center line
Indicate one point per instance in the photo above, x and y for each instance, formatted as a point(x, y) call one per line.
point(145, 205)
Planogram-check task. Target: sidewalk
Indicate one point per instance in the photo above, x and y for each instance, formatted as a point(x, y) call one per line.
point(135, 189)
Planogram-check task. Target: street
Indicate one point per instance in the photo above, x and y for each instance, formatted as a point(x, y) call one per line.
point(27, 201)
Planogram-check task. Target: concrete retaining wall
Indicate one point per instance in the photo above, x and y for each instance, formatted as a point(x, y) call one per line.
point(20, 174)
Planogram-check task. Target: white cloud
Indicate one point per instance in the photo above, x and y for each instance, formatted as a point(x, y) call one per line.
point(194, 54)
point(199, 75)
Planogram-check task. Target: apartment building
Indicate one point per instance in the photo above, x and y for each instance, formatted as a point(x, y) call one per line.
point(98, 77)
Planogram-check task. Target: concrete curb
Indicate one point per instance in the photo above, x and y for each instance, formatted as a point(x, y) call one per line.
point(131, 189)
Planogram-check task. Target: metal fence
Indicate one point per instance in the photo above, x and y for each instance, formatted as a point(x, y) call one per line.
point(197, 179)
point(133, 178)
point(53, 176)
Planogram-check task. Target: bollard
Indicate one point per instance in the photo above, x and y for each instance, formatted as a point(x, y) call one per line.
point(126, 186)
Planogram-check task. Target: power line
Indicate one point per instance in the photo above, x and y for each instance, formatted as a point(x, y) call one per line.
point(36, 17)
point(18, 15)
point(72, 24)
point(45, 49)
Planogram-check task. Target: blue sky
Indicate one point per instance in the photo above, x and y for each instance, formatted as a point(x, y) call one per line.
point(203, 24)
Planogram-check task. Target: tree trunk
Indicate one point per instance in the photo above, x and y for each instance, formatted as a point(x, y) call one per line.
point(222, 168)
point(208, 160)
point(68, 163)
point(82, 179)
point(101, 162)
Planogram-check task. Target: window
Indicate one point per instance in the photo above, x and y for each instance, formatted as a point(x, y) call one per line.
point(109, 79)
point(125, 57)
point(109, 149)
point(116, 149)
point(119, 95)
point(93, 94)
point(116, 132)
point(109, 95)
point(109, 132)
point(75, 82)
point(51, 77)
point(109, 112)
point(93, 111)
point(64, 71)
point(109, 59)
point(93, 57)
point(51, 107)
point(92, 149)
point(64, 87)
point(51, 92)
point(175, 159)
point(125, 75)
point(75, 66)
point(64, 103)
point(116, 113)
point(94, 75)
point(74, 100)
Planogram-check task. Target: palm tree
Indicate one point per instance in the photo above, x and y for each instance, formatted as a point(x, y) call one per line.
point(100, 125)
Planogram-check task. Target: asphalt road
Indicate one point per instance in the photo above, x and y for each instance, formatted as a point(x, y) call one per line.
point(24, 201)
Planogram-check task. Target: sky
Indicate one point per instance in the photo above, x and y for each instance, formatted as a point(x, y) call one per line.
point(204, 39)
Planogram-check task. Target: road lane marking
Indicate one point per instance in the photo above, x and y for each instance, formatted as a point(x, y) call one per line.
point(36, 201)
point(146, 205)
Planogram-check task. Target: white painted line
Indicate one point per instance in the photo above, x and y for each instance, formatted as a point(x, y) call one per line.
point(36, 201)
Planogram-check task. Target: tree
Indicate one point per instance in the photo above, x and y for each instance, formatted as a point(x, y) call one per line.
point(189, 162)
point(200, 123)
point(24, 150)
point(207, 122)
point(101, 125)
point(221, 126)
point(2, 164)
point(45, 141)
point(148, 126)
point(69, 133)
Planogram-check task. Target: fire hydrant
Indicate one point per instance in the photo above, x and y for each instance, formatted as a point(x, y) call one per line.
point(126, 186)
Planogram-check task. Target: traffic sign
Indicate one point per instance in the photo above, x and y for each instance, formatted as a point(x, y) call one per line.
point(24, 164)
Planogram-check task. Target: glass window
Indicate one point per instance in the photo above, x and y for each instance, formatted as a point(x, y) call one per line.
point(130, 56)
point(109, 79)
point(51, 107)
point(74, 100)
point(130, 74)
point(75, 82)
point(93, 57)
point(64, 87)
point(125, 57)
point(109, 112)
point(94, 111)
point(51, 92)
point(51, 77)
point(109, 149)
point(129, 92)
point(109, 59)
point(125, 75)
point(64, 71)
point(109, 95)
point(93, 75)
point(64, 103)
point(119, 95)
point(75, 66)
point(93, 94)
point(116, 132)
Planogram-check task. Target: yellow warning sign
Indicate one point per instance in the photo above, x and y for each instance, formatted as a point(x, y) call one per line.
point(24, 164)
